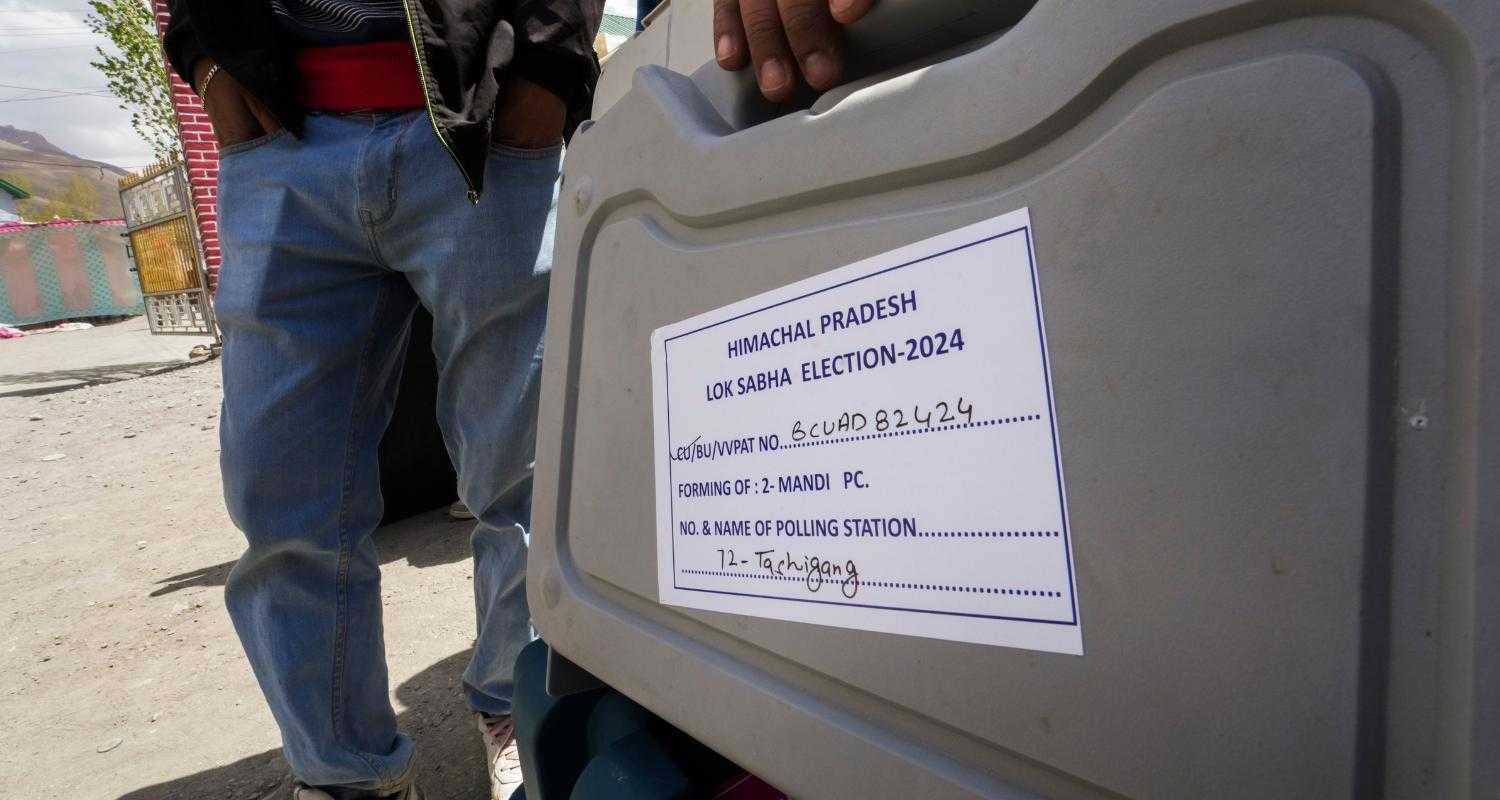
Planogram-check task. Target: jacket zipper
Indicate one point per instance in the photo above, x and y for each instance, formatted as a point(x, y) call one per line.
point(411, 26)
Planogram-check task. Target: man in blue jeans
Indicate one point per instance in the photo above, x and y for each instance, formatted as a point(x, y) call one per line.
point(375, 154)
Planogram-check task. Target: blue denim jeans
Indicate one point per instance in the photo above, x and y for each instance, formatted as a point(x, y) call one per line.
point(329, 242)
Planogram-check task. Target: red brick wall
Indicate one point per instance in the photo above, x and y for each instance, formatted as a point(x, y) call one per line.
point(202, 153)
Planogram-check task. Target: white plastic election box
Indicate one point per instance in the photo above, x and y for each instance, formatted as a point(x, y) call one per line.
point(1206, 504)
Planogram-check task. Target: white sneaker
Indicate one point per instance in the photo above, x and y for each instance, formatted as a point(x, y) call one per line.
point(501, 754)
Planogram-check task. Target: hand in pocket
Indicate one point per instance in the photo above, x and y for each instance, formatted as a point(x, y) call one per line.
point(237, 116)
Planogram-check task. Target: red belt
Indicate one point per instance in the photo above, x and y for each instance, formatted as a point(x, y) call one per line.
point(359, 77)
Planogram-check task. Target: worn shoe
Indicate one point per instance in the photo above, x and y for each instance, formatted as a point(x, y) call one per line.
point(459, 511)
point(501, 754)
point(301, 791)
point(293, 789)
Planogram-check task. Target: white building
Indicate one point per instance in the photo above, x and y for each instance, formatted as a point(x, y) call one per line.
point(9, 194)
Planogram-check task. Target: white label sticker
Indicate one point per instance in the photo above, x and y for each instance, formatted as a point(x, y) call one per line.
point(873, 448)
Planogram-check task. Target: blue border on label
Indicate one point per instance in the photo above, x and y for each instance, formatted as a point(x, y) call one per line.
point(1051, 420)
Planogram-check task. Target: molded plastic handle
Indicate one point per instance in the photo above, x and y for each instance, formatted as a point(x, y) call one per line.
point(894, 33)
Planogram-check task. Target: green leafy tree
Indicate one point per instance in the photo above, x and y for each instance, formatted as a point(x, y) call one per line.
point(138, 74)
point(77, 199)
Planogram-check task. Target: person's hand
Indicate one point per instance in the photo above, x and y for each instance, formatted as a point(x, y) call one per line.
point(528, 117)
point(235, 113)
point(785, 39)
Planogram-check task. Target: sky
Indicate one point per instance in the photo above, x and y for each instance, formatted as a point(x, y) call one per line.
point(45, 45)
point(44, 48)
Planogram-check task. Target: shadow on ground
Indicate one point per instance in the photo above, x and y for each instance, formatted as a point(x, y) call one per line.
point(86, 376)
point(450, 758)
point(425, 540)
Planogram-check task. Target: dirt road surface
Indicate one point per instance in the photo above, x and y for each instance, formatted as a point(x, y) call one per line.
point(120, 675)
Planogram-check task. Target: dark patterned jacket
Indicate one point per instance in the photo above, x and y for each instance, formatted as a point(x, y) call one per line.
point(465, 50)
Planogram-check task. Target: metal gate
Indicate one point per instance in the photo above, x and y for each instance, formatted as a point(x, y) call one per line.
point(163, 246)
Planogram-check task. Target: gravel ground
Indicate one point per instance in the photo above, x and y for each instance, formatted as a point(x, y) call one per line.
point(120, 676)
